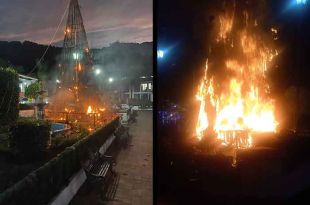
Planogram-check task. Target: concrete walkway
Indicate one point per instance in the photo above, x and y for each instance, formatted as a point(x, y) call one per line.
point(135, 165)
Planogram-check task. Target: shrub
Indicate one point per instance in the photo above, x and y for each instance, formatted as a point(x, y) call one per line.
point(61, 140)
point(9, 92)
point(40, 186)
point(30, 136)
point(32, 90)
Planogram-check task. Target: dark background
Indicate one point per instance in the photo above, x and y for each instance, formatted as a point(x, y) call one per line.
point(184, 27)
point(185, 175)
point(117, 60)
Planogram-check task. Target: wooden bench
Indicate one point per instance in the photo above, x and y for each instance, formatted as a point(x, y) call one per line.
point(99, 170)
point(123, 136)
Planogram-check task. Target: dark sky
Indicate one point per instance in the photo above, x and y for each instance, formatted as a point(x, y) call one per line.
point(183, 30)
point(105, 21)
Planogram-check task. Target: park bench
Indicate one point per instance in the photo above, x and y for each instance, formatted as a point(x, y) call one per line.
point(99, 170)
point(122, 134)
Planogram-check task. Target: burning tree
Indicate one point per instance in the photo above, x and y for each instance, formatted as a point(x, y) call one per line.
point(77, 97)
point(234, 93)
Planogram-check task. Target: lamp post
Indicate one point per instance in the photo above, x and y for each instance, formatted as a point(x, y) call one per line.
point(160, 54)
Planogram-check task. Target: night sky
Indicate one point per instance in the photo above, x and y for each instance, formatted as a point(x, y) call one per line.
point(183, 31)
point(105, 21)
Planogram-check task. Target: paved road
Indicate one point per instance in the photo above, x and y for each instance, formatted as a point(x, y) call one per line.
point(135, 165)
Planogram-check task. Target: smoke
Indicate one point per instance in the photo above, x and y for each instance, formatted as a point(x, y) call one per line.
point(123, 62)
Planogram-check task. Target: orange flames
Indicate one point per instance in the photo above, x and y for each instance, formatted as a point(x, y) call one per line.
point(240, 102)
point(89, 110)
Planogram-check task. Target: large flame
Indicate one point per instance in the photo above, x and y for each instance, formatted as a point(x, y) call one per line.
point(89, 110)
point(240, 102)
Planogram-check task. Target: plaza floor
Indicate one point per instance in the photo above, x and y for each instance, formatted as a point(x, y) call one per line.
point(134, 182)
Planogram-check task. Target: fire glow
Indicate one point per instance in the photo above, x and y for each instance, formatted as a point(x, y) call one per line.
point(89, 110)
point(239, 105)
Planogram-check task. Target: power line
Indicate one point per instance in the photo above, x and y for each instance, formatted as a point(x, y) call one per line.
point(62, 18)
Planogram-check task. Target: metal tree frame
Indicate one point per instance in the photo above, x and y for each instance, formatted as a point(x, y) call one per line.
point(76, 58)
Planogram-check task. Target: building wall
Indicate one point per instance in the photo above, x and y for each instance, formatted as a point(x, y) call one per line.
point(23, 83)
point(140, 92)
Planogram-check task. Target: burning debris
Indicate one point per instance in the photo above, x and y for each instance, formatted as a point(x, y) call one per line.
point(234, 93)
point(89, 113)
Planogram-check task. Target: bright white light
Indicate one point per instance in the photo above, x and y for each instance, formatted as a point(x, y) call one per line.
point(57, 81)
point(111, 80)
point(301, 1)
point(160, 54)
point(144, 86)
point(97, 71)
point(75, 56)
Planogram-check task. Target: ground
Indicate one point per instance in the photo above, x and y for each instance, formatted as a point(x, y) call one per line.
point(134, 167)
point(267, 174)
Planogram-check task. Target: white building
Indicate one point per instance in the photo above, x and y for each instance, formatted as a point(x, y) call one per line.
point(25, 81)
point(139, 91)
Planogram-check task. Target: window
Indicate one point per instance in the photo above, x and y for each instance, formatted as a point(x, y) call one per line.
point(150, 86)
point(144, 86)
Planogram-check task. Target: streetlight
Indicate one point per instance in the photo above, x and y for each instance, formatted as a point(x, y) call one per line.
point(111, 80)
point(97, 71)
point(160, 54)
point(301, 1)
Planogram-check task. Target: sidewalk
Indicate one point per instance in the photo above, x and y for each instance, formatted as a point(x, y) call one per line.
point(134, 168)
point(135, 165)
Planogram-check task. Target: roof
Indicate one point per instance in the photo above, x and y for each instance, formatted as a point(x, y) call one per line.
point(26, 77)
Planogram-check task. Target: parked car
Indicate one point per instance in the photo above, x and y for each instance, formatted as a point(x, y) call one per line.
point(23, 100)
